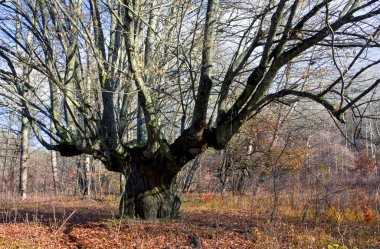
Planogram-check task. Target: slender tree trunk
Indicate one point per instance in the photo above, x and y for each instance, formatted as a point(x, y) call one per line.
point(12, 177)
point(3, 181)
point(224, 177)
point(24, 156)
point(141, 127)
point(241, 182)
point(54, 165)
point(196, 164)
point(122, 184)
point(275, 201)
point(87, 175)
point(54, 170)
point(97, 170)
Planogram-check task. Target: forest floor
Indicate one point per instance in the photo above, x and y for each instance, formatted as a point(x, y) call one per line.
point(229, 222)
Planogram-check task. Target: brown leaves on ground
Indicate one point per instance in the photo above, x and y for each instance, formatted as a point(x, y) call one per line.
point(46, 223)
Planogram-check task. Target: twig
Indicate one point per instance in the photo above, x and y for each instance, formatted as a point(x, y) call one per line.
point(64, 222)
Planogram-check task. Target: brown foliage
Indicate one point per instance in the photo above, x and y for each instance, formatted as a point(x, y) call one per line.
point(228, 222)
point(365, 163)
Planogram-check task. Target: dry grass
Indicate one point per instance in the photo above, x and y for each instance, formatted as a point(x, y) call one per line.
point(228, 222)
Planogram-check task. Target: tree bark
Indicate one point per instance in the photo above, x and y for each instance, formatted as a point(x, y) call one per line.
point(149, 195)
point(122, 184)
point(24, 156)
point(3, 178)
point(54, 164)
point(87, 175)
point(54, 170)
point(197, 162)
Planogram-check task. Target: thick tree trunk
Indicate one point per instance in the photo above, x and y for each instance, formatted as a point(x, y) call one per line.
point(150, 196)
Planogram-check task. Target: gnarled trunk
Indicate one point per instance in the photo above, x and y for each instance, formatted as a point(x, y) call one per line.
point(150, 195)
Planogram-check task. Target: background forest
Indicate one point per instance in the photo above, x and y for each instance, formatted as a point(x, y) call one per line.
point(177, 124)
point(278, 167)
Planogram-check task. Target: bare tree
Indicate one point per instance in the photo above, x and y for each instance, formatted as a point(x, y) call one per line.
point(24, 156)
point(9, 155)
point(23, 92)
point(54, 170)
point(188, 74)
point(87, 175)
point(189, 177)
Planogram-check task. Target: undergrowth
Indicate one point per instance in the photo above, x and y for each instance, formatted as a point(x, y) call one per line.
point(219, 221)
